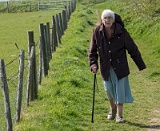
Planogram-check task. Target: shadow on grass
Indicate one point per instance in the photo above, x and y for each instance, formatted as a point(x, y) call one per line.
point(143, 125)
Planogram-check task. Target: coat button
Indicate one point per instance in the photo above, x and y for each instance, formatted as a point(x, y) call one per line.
point(110, 59)
point(109, 51)
point(109, 42)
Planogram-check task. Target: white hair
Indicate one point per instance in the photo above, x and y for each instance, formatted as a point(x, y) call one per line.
point(107, 13)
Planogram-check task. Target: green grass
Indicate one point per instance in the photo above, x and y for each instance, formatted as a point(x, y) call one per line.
point(65, 97)
point(14, 28)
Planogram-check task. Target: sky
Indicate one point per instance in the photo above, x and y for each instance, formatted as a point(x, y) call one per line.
point(4, 0)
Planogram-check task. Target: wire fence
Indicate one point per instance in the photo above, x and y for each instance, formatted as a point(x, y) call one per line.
point(12, 81)
point(21, 76)
point(12, 72)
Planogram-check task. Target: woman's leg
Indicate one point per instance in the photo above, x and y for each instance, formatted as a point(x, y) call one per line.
point(119, 117)
point(109, 92)
point(113, 110)
point(119, 110)
point(112, 105)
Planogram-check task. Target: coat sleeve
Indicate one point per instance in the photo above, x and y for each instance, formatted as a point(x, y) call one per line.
point(92, 53)
point(134, 51)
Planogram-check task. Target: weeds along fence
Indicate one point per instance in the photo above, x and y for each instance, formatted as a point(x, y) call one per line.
point(21, 87)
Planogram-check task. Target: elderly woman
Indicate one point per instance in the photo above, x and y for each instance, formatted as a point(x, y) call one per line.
point(110, 41)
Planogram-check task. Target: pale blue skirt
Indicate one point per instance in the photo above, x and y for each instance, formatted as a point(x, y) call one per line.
point(118, 90)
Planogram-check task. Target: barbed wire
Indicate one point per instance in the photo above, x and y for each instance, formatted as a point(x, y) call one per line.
point(12, 61)
point(38, 42)
point(12, 82)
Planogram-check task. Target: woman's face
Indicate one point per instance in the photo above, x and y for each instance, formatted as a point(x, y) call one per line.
point(108, 21)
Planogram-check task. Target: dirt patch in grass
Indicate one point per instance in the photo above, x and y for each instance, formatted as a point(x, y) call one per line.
point(155, 122)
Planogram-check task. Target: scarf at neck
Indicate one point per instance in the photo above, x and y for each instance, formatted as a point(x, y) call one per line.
point(109, 31)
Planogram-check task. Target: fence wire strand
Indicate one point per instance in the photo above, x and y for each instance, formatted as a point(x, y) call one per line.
point(12, 82)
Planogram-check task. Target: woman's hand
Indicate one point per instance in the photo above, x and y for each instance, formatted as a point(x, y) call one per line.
point(94, 68)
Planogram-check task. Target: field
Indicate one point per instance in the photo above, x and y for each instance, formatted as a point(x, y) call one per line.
point(14, 28)
point(65, 97)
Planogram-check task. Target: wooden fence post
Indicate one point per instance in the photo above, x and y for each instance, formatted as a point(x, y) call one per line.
point(32, 87)
point(8, 6)
point(40, 63)
point(48, 41)
point(67, 14)
point(73, 5)
point(30, 77)
point(6, 96)
point(58, 29)
point(54, 35)
point(70, 7)
point(38, 4)
point(46, 46)
point(20, 86)
point(34, 69)
point(30, 9)
point(30, 41)
point(44, 58)
point(61, 25)
point(64, 19)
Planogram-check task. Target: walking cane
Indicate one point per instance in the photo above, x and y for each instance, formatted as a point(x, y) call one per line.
point(94, 85)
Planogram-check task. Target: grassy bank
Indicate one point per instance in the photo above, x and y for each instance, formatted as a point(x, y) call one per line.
point(65, 97)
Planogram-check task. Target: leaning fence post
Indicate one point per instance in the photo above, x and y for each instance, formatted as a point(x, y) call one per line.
point(20, 86)
point(6, 96)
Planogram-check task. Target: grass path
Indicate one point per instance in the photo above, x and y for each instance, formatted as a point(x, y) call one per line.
point(145, 90)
